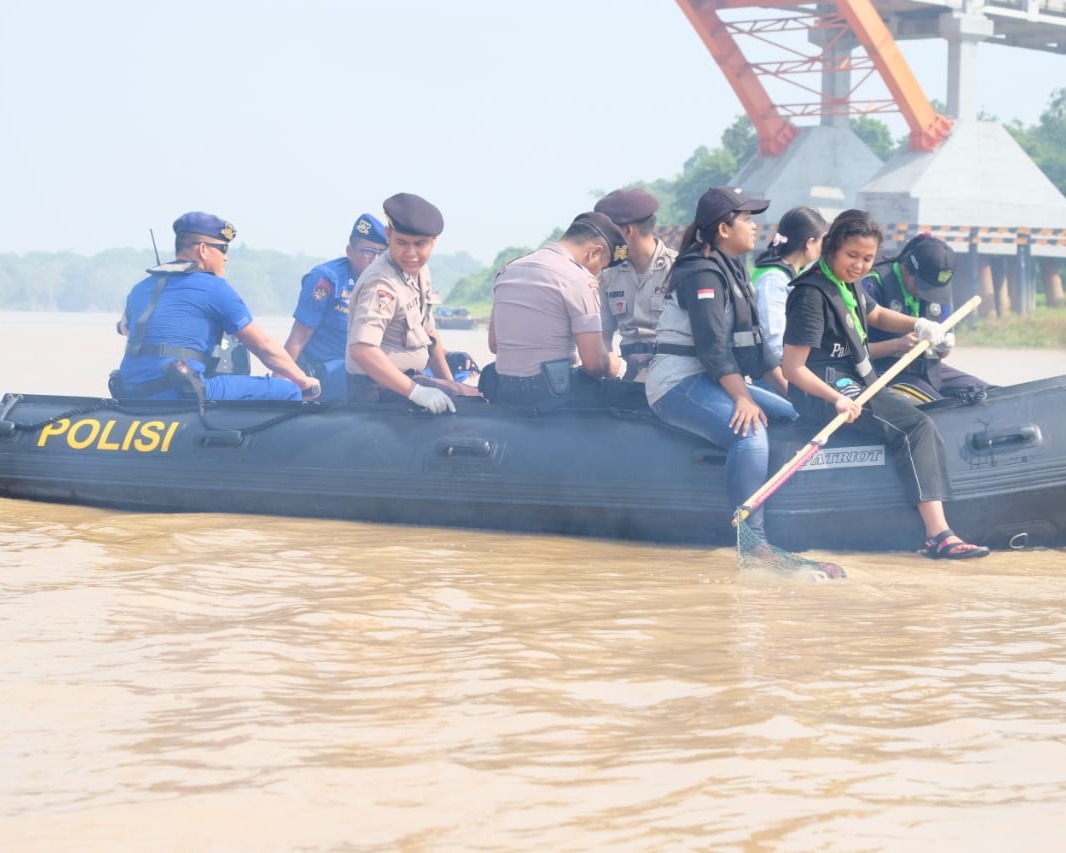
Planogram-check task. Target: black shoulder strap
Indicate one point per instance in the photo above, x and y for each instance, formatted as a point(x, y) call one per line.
point(140, 327)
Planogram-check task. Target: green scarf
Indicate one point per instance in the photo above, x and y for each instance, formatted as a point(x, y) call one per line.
point(913, 305)
point(850, 302)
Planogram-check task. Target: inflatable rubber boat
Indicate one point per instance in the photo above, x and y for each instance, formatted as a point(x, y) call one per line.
point(595, 472)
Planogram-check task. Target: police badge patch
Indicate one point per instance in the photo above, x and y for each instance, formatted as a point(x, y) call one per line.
point(385, 299)
point(323, 290)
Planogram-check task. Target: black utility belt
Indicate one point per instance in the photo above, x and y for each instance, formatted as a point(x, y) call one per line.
point(675, 349)
point(630, 350)
point(168, 351)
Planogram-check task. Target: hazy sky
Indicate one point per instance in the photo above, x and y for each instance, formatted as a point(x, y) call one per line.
point(291, 118)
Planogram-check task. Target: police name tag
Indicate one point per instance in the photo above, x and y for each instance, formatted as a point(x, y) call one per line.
point(866, 456)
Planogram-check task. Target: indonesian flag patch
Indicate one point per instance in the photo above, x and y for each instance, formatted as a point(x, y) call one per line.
point(705, 293)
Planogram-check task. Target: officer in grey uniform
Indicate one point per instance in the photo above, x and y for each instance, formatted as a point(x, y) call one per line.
point(632, 293)
point(391, 332)
point(546, 318)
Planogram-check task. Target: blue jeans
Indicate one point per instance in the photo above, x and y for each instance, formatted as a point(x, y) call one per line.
point(700, 405)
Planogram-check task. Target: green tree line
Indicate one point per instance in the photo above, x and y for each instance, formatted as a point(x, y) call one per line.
point(709, 167)
point(269, 280)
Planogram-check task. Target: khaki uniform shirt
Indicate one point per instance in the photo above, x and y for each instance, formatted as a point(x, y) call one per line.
point(632, 303)
point(539, 302)
point(393, 311)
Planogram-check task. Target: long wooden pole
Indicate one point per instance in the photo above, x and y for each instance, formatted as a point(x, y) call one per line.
point(806, 453)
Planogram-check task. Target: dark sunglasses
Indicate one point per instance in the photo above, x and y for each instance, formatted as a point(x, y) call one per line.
point(222, 247)
point(371, 253)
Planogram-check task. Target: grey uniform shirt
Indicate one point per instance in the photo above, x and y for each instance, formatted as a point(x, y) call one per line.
point(633, 302)
point(539, 303)
point(392, 310)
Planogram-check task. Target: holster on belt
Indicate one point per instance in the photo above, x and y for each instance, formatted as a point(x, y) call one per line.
point(557, 376)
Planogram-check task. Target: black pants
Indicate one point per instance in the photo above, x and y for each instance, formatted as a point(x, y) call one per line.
point(911, 435)
point(363, 389)
point(532, 393)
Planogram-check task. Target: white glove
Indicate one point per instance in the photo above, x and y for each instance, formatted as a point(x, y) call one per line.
point(431, 398)
point(927, 330)
point(946, 345)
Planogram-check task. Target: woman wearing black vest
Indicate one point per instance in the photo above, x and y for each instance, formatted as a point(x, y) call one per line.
point(827, 365)
point(709, 338)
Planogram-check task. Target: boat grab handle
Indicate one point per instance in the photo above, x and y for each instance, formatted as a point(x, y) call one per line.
point(10, 401)
point(222, 438)
point(1004, 437)
point(465, 447)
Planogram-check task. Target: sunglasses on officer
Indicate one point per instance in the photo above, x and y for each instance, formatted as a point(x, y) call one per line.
point(222, 247)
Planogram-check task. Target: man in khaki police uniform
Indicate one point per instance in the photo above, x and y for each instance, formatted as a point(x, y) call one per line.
point(546, 317)
point(632, 293)
point(391, 333)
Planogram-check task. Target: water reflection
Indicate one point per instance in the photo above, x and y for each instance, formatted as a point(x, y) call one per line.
point(228, 682)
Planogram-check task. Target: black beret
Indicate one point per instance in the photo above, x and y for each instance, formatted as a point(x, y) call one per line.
point(718, 202)
point(411, 214)
point(932, 262)
point(626, 206)
point(608, 231)
point(198, 222)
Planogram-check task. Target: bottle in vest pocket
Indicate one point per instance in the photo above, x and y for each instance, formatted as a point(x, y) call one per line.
point(848, 387)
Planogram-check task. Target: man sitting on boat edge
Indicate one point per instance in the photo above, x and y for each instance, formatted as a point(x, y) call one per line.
point(632, 293)
point(177, 316)
point(546, 320)
point(392, 337)
point(319, 334)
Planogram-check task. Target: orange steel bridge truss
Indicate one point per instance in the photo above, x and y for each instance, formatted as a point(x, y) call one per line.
point(840, 24)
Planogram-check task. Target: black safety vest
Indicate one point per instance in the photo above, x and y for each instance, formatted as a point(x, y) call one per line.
point(858, 356)
point(747, 341)
point(928, 366)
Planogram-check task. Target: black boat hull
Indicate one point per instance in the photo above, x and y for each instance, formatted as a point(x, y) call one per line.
point(587, 473)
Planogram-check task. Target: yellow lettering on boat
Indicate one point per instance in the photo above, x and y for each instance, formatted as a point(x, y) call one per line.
point(91, 434)
point(173, 428)
point(56, 428)
point(131, 431)
point(149, 439)
point(79, 443)
point(104, 443)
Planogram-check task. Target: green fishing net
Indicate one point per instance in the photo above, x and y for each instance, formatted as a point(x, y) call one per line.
point(755, 554)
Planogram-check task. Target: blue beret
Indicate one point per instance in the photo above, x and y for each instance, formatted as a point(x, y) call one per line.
point(412, 214)
point(626, 206)
point(198, 222)
point(369, 228)
point(611, 234)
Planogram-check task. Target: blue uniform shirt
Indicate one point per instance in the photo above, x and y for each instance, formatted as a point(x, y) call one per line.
point(323, 306)
point(193, 311)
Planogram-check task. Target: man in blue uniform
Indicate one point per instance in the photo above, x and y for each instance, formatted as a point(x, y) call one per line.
point(918, 283)
point(178, 315)
point(319, 335)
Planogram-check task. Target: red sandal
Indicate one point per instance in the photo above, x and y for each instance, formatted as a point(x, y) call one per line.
point(938, 548)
